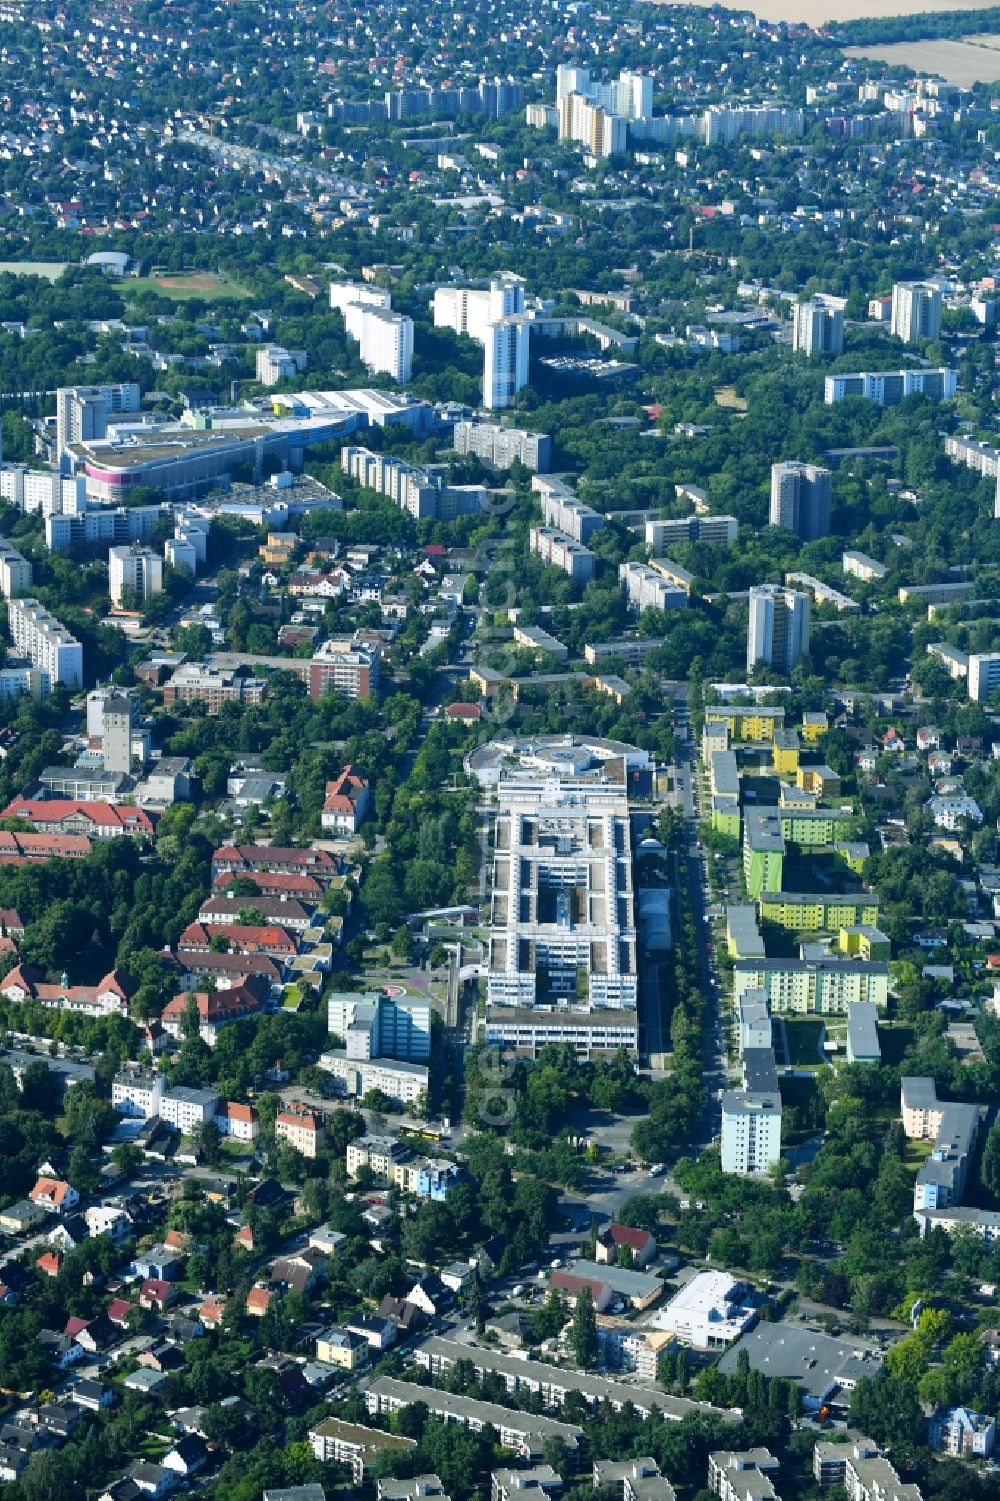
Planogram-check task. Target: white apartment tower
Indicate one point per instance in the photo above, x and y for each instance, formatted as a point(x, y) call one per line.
point(344, 293)
point(817, 328)
point(44, 490)
point(800, 499)
point(751, 1132)
point(916, 311)
point(135, 572)
point(629, 96)
point(778, 633)
point(274, 364)
point(385, 340)
point(634, 96)
point(470, 310)
point(505, 361)
point(984, 675)
point(571, 80)
point(495, 319)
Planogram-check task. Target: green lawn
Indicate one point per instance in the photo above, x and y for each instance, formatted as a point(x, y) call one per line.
point(916, 1154)
point(208, 286)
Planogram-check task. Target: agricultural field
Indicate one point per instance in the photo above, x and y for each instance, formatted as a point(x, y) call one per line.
point(976, 59)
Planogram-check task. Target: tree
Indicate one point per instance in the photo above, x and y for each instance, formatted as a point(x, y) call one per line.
point(50, 1473)
point(475, 1304)
point(989, 1170)
point(209, 1139)
point(190, 1019)
point(127, 1157)
point(40, 1089)
point(888, 1409)
point(84, 1172)
point(381, 896)
point(225, 1425)
point(582, 1336)
point(402, 943)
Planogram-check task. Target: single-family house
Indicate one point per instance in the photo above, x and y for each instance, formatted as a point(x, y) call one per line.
point(189, 1456)
point(156, 1294)
point(55, 1195)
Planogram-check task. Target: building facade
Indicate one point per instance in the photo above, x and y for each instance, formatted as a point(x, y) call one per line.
point(984, 675)
point(800, 499)
point(504, 446)
point(751, 1131)
point(818, 327)
point(16, 573)
point(560, 551)
point(134, 574)
point(47, 644)
point(649, 588)
point(889, 387)
point(83, 412)
point(916, 311)
point(778, 633)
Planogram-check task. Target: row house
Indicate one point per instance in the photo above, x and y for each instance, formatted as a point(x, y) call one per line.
point(22, 849)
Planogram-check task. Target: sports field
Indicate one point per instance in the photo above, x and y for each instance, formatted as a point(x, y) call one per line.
point(209, 286)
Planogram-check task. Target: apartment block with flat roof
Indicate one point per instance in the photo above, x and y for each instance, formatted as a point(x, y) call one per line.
point(800, 499)
point(562, 510)
point(720, 530)
point(801, 912)
point(890, 387)
point(16, 573)
point(563, 931)
point(826, 987)
point(778, 630)
point(522, 1431)
point(751, 1131)
point(559, 550)
point(47, 644)
point(916, 311)
point(504, 446)
point(649, 588)
point(763, 850)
